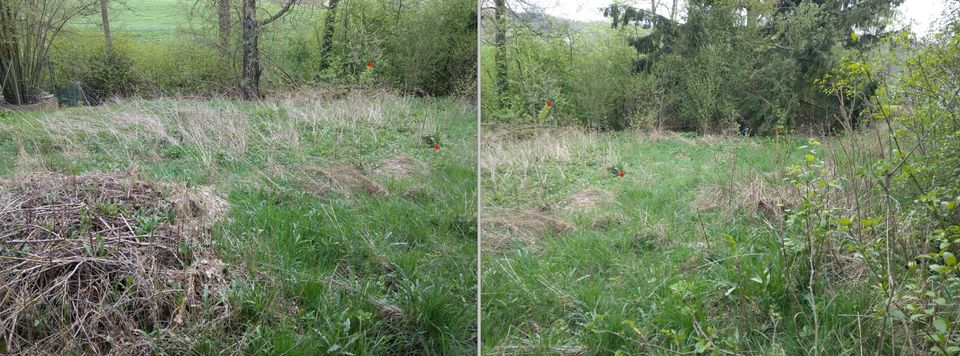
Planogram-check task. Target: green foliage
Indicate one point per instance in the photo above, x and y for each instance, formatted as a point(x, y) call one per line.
point(425, 47)
point(432, 50)
point(749, 65)
point(923, 296)
point(932, 296)
point(581, 72)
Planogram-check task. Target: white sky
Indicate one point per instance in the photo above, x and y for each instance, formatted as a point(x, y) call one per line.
point(920, 13)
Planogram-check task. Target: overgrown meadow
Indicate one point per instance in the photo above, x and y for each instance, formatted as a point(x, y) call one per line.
point(345, 230)
point(704, 244)
point(675, 255)
point(732, 178)
point(331, 211)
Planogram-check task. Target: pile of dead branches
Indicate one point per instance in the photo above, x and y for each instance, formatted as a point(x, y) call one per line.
point(102, 264)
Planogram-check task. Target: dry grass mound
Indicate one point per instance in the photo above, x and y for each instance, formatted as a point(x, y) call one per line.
point(400, 166)
point(520, 225)
point(750, 196)
point(341, 179)
point(682, 139)
point(588, 199)
point(200, 207)
point(101, 264)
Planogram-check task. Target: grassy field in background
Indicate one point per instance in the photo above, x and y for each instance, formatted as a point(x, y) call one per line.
point(156, 20)
point(679, 255)
point(150, 20)
point(346, 231)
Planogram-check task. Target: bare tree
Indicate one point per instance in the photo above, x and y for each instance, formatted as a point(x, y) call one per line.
point(326, 44)
point(27, 30)
point(250, 77)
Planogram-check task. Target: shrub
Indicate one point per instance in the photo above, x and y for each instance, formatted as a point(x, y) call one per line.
point(137, 68)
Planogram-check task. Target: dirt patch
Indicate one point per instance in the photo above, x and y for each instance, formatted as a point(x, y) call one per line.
point(400, 166)
point(588, 199)
point(340, 179)
point(526, 226)
point(98, 264)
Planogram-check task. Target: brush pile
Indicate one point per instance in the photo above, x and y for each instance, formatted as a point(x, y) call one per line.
point(103, 264)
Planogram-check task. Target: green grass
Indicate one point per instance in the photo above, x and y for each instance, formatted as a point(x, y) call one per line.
point(314, 270)
point(659, 266)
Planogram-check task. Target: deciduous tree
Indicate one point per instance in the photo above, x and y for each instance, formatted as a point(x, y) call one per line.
point(250, 78)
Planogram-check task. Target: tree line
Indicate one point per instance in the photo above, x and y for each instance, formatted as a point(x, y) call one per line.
point(330, 43)
point(704, 65)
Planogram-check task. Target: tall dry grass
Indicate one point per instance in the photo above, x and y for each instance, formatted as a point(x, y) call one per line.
point(222, 127)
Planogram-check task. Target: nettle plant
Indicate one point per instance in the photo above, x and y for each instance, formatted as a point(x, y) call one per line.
point(815, 220)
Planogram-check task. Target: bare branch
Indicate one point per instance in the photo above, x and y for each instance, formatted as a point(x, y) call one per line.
point(279, 14)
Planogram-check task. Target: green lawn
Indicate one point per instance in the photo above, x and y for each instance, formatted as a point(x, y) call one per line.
point(681, 254)
point(318, 263)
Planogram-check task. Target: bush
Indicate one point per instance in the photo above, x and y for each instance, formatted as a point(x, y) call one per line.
point(145, 69)
point(101, 75)
point(183, 67)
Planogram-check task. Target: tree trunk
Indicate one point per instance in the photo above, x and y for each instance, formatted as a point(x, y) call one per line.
point(250, 76)
point(673, 11)
point(500, 40)
point(326, 44)
point(250, 79)
point(223, 15)
point(105, 18)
